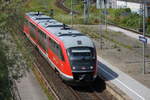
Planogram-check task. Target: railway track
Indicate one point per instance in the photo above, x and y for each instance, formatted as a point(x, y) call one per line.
point(60, 90)
point(65, 92)
point(54, 84)
point(60, 4)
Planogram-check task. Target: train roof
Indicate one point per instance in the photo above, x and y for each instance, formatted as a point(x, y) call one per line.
point(69, 36)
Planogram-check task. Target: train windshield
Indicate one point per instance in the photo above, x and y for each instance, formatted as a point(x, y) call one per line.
point(81, 57)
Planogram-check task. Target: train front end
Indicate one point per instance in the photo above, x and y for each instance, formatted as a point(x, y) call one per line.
point(82, 58)
point(83, 63)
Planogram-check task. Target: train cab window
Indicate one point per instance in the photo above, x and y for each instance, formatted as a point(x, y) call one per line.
point(81, 56)
point(79, 53)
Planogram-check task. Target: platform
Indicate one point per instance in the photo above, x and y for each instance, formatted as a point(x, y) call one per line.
point(134, 89)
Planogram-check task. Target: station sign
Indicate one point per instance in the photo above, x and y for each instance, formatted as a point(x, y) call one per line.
point(143, 39)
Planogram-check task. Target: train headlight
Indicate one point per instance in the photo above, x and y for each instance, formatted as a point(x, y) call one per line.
point(91, 67)
point(73, 68)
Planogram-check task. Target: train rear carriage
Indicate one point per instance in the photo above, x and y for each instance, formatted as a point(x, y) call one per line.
point(69, 51)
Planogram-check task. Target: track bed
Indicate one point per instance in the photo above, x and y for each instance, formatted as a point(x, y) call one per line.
point(97, 90)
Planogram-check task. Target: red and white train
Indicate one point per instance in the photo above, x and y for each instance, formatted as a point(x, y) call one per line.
point(68, 51)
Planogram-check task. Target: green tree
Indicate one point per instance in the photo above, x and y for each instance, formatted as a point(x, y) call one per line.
point(4, 80)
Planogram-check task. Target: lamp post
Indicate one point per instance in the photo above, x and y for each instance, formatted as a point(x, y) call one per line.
point(144, 71)
point(86, 10)
point(105, 13)
point(71, 13)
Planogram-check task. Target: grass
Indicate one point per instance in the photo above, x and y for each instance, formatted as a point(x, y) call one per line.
point(91, 33)
point(77, 5)
point(40, 5)
point(46, 6)
point(117, 42)
point(42, 83)
point(105, 35)
point(93, 17)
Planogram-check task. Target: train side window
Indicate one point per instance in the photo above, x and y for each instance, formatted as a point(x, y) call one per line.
point(59, 52)
point(32, 30)
point(41, 39)
point(51, 46)
point(32, 26)
point(42, 34)
point(26, 22)
point(56, 49)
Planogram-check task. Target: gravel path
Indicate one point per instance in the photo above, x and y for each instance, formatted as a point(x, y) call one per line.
point(126, 32)
point(29, 88)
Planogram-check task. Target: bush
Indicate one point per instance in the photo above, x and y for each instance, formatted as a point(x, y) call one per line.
point(124, 17)
point(4, 81)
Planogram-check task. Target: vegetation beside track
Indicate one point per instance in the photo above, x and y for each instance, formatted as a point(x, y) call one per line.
point(11, 21)
point(121, 17)
point(46, 6)
point(95, 34)
point(5, 62)
point(5, 93)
